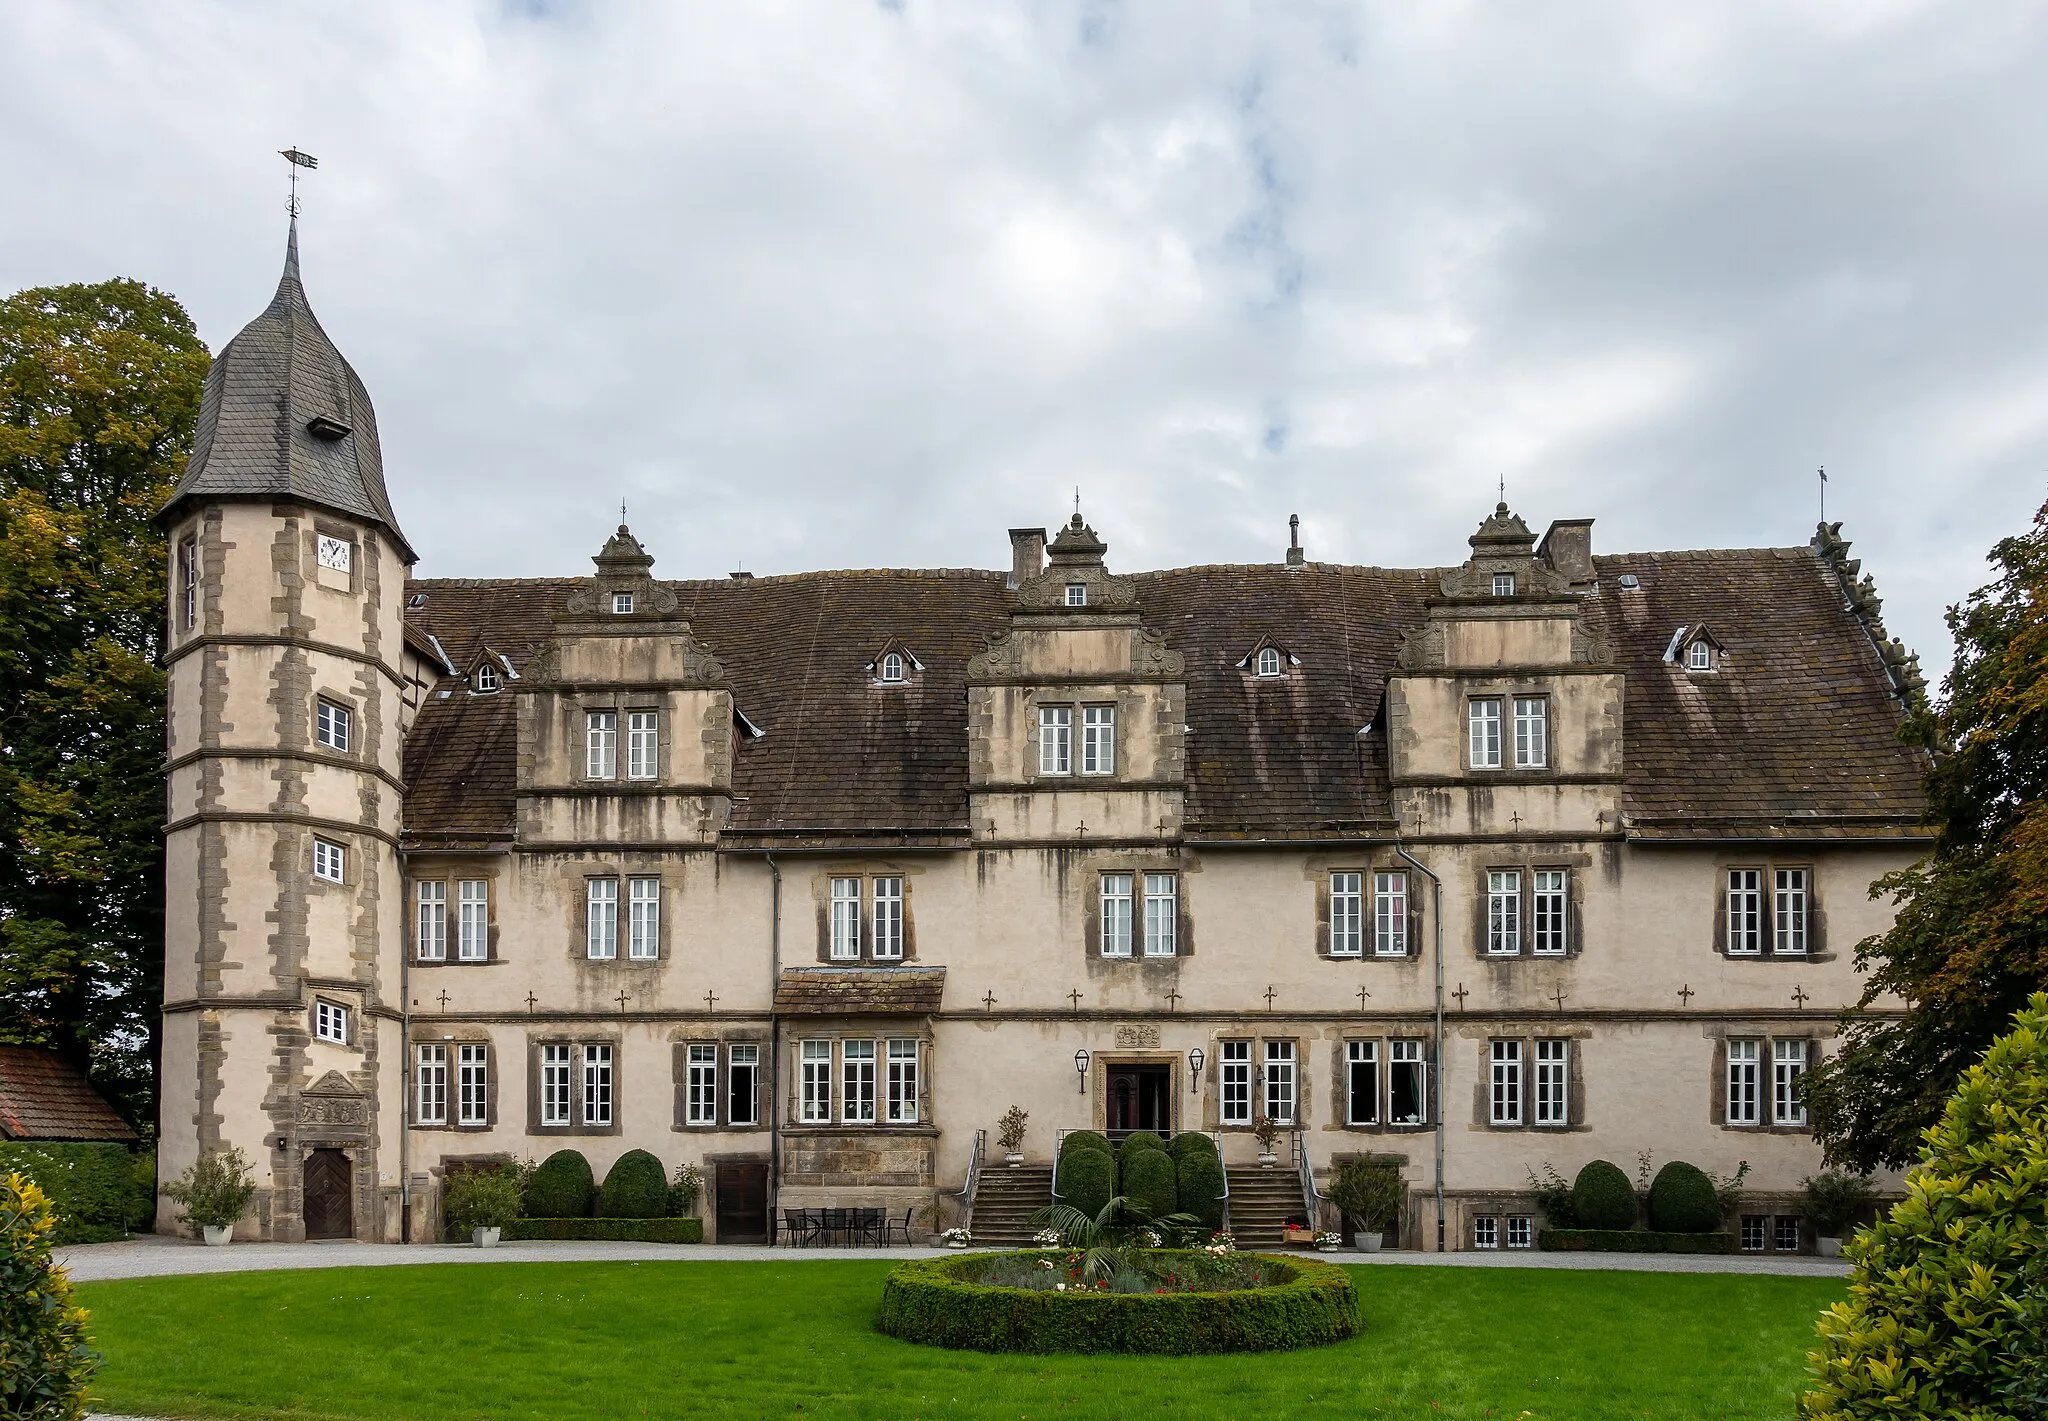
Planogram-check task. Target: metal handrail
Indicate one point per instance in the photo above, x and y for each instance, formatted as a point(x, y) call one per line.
point(973, 1178)
point(1059, 1138)
point(1311, 1197)
point(1217, 1136)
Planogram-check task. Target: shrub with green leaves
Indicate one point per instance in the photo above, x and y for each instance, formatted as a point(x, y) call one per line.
point(1198, 1177)
point(481, 1199)
point(1370, 1195)
point(92, 1187)
point(1087, 1179)
point(1086, 1140)
point(46, 1359)
point(1682, 1200)
point(215, 1188)
point(1139, 1140)
point(1603, 1198)
point(1835, 1201)
point(636, 1187)
point(1149, 1181)
point(1939, 1315)
point(561, 1187)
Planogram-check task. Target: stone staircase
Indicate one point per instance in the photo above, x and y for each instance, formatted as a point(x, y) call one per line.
point(1260, 1200)
point(1004, 1202)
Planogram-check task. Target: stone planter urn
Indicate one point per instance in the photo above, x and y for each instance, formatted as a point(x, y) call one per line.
point(1267, 1159)
point(1366, 1242)
point(484, 1238)
point(1829, 1247)
point(1013, 1160)
point(217, 1235)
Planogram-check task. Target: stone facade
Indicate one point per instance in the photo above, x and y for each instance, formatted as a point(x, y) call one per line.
point(813, 877)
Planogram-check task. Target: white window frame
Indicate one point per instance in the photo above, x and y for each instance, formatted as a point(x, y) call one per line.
point(902, 1107)
point(1503, 584)
point(643, 744)
point(1745, 912)
point(845, 920)
point(1553, 1097)
point(700, 1084)
point(473, 920)
point(1532, 732)
point(1744, 1094)
point(188, 558)
point(486, 681)
point(891, 671)
point(472, 1084)
point(1792, 911)
point(1790, 1061)
point(1482, 732)
point(1755, 1231)
point(430, 1085)
point(333, 725)
point(556, 1085)
point(1390, 913)
point(1162, 914)
point(743, 1102)
point(330, 1022)
point(1551, 894)
point(1269, 661)
point(1234, 1081)
point(888, 895)
point(1282, 1098)
point(643, 919)
point(1699, 657)
point(1520, 1232)
point(1485, 1231)
point(597, 1086)
point(814, 1070)
point(622, 603)
point(1055, 740)
point(1098, 740)
point(857, 1082)
point(1116, 901)
point(1347, 913)
point(430, 922)
point(330, 861)
point(1408, 1053)
point(1503, 912)
point(1077, 594)
point(1363, 1055)
point(1505, 1081)
point(600, 919)
point(601, 745)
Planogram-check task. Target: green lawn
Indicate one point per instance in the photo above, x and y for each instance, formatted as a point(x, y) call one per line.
point(568, 1341)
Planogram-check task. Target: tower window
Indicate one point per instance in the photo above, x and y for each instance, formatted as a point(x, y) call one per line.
point(188, 581)
point(622, 602)
point(330, 861)
point(1503, 584)
point(1077, 594)
point(330, 1022)
point(331, 725)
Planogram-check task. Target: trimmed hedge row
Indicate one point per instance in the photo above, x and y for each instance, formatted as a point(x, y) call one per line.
point(689, 1230)
point(93, 1188)
point(927, 1301)
point(1632, 1241)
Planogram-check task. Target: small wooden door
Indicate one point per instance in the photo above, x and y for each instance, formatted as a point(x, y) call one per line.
point(742, 1189)
point(330, 1195)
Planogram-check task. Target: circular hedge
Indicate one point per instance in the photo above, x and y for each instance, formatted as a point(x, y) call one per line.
point(1603, 1197)
point(636, 1187)
point(561, 1187)
point(1682, 1200)
point(928, 1301)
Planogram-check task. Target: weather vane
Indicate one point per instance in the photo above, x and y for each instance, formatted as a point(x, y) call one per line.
point(298, 160)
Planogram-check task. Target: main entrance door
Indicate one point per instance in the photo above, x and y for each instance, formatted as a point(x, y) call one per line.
point(742, 1186)
point(330, 1195)
point(1140, 1098)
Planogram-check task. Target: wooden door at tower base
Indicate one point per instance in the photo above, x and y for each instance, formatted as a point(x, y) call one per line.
point(330, 1195)
point(742, 1193)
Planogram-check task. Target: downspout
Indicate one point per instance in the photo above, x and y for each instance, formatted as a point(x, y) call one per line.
point(1436, 1072)
point(404, 1073)
point(774, 1047)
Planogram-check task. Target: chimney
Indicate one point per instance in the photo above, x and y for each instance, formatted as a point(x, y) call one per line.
point(1027, 554)
point(1568, 548)
point(1295, 556)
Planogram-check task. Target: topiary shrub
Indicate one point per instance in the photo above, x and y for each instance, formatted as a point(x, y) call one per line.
point(1086, 1140)
point(1087, 1180)
point(670, 1230)
point(561, 1187)
point(1682, 1200)
point(1603, 1198)
point(1938, 1315)
point(1198, 1177)
point(46, 1359)
point(636, 1187)
point(1149, 1181)
point(1142, 1140)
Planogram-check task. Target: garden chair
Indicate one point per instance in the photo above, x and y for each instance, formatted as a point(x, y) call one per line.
point(892, 1231)
point(836, 1226)
point(872, 1225)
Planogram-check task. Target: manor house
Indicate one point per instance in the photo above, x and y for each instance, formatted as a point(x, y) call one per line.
point(1540, 856)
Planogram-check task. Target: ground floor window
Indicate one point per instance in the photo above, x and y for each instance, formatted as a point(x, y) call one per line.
point(473, 1085)
point(814, 1060)
point(903, 1081)
point(432, 1083)
point(1519, 1231)
point(1778, 1233)
point(742, 1077)
point(1236, 1069)
point(700, 1085)
point(1280, 1082)
point(1407, 1084)
point(1486, 1231)
point(1361, 1082)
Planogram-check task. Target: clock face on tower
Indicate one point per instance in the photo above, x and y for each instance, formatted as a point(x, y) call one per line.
point(334, 553)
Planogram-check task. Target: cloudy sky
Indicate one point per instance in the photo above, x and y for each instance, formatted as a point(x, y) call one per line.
point(854, 284)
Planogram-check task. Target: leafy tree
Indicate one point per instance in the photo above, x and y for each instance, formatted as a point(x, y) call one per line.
point(46, 1358)
point(1970, 941)
point(99, 393)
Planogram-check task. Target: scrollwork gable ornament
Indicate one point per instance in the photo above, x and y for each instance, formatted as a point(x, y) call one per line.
point(1151, 656)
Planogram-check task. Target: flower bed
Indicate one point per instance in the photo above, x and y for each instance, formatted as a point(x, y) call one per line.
point(1251, 1303)
point(689, 1230)
point(1631, 1241)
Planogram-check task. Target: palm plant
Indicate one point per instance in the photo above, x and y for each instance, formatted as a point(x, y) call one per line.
point(1121, 1229)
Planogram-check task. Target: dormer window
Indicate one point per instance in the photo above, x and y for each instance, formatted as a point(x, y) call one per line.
point(1077, 594)
point(622, 603)
point(1503, 584)
point(486, 679)
point(1269, 661)
point(1699, 656)
point(891, 673)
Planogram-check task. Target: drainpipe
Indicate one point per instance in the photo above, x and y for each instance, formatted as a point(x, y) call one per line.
point(774, 1047)
point(404, 1072)
point(1436, 1074)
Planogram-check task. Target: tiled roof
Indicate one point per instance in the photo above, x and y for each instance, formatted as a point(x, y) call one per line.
point(1798, 727)
point(852, 991)
point(265, 387)
point(44, 1097)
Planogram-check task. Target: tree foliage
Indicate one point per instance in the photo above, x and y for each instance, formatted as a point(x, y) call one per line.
point(1970, 941)
point(46, 1359)
point(99, 394)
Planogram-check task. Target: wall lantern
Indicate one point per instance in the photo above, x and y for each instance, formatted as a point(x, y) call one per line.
point(1195, 1070)
point(1081, 1065)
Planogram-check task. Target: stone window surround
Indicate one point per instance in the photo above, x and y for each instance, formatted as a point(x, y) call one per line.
point(1137, 863)
point(867, 871)
point(576, 1040)
point(1767, 1037)
point(620, 704)
point(1318, 871)
point(723, 1038)
point(351, 1022)
point(1340, 1092)
point(347, 702)
point(1505, 696)
point(1212, 1075)
point(453, 1038)
point(1128, 703)
point(579, 935)
point(1529, 862)
point(1767, 869)
point(880, 1030)
point(1575, 1081)
point(451, 873)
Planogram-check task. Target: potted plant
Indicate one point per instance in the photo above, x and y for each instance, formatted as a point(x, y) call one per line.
point(1834, 1201)
point(1010, 1135)
point(956, 1237)
point(684, 1190)
point(1266, 1132)
point(1370, 1195)
point(215, 1189)
point(1328, 1242)
point(480, 1202)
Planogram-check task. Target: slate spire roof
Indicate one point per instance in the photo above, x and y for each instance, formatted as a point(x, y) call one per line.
point(284, 416)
